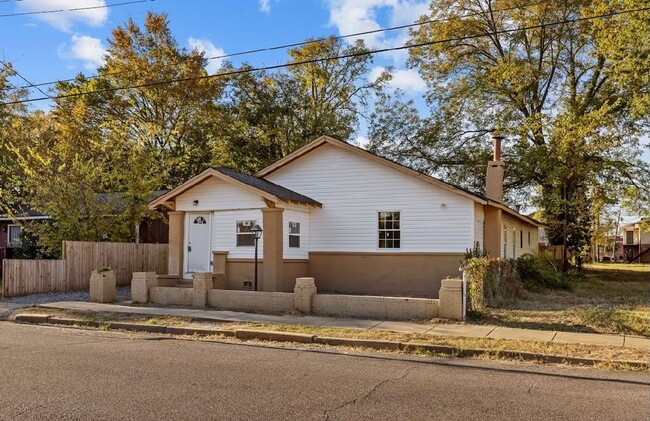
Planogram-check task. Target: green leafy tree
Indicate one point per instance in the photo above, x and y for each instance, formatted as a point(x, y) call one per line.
point(272, 114)
point(572, 100)
point(12, 122)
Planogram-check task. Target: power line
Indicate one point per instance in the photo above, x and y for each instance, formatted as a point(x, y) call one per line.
point(6, 66)
point(344, 56)
point(76, 9)
point(312, 41)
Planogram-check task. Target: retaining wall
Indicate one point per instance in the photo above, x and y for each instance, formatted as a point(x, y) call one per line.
point(376, 307)
point(272, 302)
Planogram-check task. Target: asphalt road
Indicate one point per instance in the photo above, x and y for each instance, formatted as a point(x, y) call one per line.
point(51, 373)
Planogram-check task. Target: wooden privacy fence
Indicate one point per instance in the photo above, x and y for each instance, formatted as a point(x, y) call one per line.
point(80, 258)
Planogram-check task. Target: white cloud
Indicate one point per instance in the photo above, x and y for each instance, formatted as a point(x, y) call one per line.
point(407, 80)
point(351, 16)
point(265, 6)
point(87, 49)
point(361, 141)
point(209, 50)
point(64, 20)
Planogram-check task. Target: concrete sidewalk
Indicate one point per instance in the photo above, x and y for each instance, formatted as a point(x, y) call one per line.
point(444, 329)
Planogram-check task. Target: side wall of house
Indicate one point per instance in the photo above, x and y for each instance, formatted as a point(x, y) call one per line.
point(436, 225)
point(479, 225)
point(518, 238)
point(354, 189)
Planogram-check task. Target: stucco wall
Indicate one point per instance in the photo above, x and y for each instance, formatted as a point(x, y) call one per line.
point(391, 308)
point(399, 274)
point(274, 302)
point(240, 270)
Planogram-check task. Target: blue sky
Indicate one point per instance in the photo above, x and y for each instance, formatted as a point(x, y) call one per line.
point(55, 46)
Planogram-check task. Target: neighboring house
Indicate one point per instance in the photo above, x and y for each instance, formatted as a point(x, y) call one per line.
point(636, 241)
point(356, 222)
point(11, 226)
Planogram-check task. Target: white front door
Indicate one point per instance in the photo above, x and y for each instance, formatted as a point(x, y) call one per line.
point(198, 242)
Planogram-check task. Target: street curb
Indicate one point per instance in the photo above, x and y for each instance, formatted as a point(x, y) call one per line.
point(275, 336)
point(364, 343)
point(278, 336)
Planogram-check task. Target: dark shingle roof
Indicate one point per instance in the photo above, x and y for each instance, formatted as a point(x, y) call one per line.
point(265, 185)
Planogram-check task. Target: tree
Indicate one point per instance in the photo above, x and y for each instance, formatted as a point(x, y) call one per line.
point(573, 100)
point(272, 114)
point(12, 118)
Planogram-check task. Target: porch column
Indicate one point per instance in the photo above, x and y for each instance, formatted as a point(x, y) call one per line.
point(493, 227)
point(176, 231)
point(273, 253)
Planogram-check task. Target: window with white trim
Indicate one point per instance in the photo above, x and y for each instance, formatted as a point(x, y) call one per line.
point(505, 241)
point(13, 235)
point(245, 237)
point(294, 234)
point(389, 230)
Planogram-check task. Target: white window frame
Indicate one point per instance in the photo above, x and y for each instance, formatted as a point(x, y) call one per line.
point(237, 234)
point(505, 241)
point(17, 244)
point(293, 234)
point(378, 230)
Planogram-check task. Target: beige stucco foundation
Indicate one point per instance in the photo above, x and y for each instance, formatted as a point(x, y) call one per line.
point(400, 274)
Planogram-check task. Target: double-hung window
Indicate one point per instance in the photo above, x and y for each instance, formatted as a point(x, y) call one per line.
point(389, 230)
point(294, 234)
point(14, 232)
point(245, 237)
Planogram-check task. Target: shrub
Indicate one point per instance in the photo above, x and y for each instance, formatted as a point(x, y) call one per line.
point(539, 271)
point(491, 282)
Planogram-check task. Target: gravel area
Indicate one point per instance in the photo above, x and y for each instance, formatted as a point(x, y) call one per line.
point(123, 294)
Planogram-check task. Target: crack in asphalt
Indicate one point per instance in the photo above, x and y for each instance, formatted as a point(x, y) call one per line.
point(327, 412)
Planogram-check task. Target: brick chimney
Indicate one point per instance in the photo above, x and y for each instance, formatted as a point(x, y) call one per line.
point(494, 180)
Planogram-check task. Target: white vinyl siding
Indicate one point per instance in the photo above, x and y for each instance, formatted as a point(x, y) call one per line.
point(515, 230)
point(214, 194)
point(303, 219)
point(353, 189)
point(224, 234)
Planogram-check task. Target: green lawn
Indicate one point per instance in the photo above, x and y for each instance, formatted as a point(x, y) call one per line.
point(609, 298)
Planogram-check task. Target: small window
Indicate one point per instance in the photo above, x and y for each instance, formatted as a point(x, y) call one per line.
point(629, 237)
point(294, 234)
point(521, 239)
point(245, 237)
point(389, 230)
point(199, 220)
point(528, 238)
point(14, 232)
point(505, 241)
point(514, 243)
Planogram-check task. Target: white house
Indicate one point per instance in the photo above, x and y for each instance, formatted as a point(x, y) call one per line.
point(356, 222)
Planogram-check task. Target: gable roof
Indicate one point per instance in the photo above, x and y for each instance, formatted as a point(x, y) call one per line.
point(267, 186)
point(327, 140)
point(266, 189)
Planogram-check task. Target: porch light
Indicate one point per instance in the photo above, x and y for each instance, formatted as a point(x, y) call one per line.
point(257, 234)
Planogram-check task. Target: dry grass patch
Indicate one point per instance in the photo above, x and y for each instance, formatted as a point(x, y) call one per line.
point(608, 298)
point(568, 350)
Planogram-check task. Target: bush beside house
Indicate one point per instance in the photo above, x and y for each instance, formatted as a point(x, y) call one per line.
point(497, 282)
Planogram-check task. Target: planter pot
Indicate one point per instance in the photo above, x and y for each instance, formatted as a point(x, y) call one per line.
point(102, 286)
